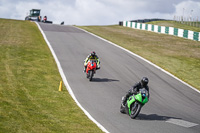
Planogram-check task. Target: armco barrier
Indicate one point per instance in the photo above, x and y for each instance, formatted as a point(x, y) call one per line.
point(165, 30)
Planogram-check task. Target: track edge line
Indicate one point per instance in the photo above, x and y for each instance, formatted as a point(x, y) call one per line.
point(66, 83)
point(142, 59)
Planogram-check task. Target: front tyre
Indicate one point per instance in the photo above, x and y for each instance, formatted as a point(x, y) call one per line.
point(135, 110)
point(91, 73)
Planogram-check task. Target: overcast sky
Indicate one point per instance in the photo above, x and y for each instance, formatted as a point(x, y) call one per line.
point(100, 12)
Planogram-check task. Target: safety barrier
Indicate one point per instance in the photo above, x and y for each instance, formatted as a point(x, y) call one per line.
point(163, 29)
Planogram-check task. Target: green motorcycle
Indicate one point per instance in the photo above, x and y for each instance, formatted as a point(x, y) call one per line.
point(134, 103)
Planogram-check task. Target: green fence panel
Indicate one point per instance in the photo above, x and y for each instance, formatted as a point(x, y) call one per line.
point(152, 28)
point(185, 33)
point(167, 30)
point(196, 36)
point(176, 31)
point(146, 26)
point(159, 28)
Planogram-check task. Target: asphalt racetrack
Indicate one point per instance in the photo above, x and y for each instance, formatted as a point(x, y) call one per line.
point(173, 106)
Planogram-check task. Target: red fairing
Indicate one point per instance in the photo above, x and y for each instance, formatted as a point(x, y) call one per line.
point(91, 66)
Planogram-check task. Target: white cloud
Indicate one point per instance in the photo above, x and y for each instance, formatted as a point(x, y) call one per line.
point(22, 9)
point(188, 8)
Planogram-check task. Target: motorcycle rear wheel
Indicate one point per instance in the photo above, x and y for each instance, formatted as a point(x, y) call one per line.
point(87, 75)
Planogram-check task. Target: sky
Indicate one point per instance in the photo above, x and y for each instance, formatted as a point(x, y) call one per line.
point(100, 12)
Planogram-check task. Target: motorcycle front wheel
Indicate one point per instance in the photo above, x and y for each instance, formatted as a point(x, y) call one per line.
point(91, 73)
point(135, 110)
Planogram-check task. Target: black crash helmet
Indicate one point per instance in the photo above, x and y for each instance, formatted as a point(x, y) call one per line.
point(93, 53)
point(144, 81)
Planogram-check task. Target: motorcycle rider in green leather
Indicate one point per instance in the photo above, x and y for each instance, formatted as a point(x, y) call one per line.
point(135, 89)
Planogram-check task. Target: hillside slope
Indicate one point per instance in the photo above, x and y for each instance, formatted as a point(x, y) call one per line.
point(179, 56)
point(29, 82)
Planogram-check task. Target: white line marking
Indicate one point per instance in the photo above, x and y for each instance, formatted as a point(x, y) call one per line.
point(181, 123)
point(142, 59)
point(67, 84)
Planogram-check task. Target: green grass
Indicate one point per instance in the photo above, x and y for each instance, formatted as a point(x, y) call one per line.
point(176, 25)
point(29, 82)
point(179, 56)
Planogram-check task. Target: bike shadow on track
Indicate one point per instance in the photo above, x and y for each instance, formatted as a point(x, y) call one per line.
point(154, 117)
point(103, 80)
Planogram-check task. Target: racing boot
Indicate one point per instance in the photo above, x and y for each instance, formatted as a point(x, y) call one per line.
point(84, 69)
point(124, 101)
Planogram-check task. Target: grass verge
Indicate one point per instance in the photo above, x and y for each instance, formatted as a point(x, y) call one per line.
point(29, 81)
point(179, 56)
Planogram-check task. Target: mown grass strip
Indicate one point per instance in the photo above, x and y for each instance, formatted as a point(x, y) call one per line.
point(179, 56)
point(29, 82)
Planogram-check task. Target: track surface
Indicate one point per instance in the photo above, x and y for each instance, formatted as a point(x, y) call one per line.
point(170, 100)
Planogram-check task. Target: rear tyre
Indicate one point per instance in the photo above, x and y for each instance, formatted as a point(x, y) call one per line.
point(122, 109)
point(87, 75)
point(135, 110)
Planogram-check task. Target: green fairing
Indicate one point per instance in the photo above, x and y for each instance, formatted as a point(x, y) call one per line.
point(137, 97)
point(145, 101)
point(130, 101)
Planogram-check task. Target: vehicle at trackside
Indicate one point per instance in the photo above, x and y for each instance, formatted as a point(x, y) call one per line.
point(134, 103)
point(34, 15)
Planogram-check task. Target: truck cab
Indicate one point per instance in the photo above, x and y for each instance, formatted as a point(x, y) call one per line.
point(34, 15)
